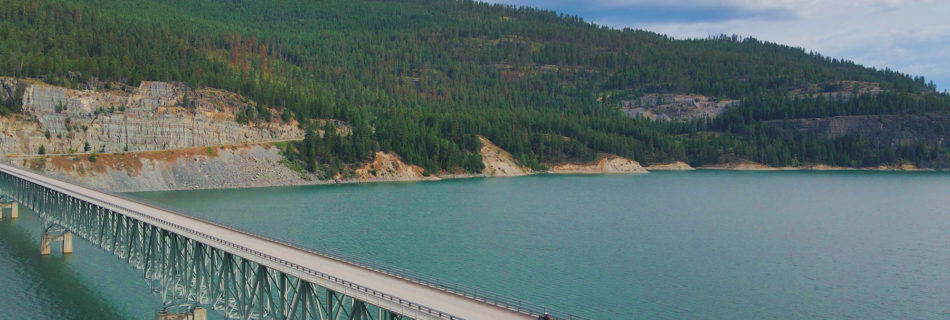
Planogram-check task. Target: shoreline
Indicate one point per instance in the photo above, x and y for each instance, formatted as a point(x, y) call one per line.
point(261, 166)
point(816, 169)
point(546, 173)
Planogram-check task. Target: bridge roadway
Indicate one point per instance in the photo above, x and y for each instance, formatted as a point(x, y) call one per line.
point(283, 257)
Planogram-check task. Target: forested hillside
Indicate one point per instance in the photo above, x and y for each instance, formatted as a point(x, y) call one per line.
point(424, 78)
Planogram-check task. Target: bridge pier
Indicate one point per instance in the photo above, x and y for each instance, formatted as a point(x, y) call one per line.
point(198, 313)
point(14, 210)
point(47, 240)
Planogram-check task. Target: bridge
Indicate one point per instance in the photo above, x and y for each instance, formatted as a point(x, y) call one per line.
point(245, 276)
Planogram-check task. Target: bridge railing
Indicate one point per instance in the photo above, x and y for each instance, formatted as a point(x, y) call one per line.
point(485, 296)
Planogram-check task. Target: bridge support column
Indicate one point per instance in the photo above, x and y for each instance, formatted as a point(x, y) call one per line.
point(47, 240)
point(68, 242)
point(198, 313)
point(14, 210)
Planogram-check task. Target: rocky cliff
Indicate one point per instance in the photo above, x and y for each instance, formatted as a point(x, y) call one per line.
point(114, 117)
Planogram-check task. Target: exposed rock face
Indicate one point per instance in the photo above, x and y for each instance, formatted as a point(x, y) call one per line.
point(838, 89)
point(681, 107)
point(673, 166)
point(194, 168)
point(499, 162)
point(606, 164)
point(388, 167)
point(18, 136)
point(153, 116)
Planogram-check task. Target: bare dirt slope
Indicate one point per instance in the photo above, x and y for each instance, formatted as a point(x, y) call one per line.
point(499, 162)
point(606, 164)
point(387, 167)
point(180, 169)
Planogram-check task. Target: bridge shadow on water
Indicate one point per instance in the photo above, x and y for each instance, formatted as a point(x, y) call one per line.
point(54, 289)
point(88, 284)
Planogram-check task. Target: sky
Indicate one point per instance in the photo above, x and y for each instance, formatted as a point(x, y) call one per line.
point(910, 36)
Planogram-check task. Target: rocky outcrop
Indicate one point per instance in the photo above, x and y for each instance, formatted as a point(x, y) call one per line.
point(499, 162)
point(682, 107)
point(838, 90)
point(152, 116)
point(18, 136)
point(672, 166)
point(606, 164)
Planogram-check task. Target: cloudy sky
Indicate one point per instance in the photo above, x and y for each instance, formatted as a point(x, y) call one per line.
point(912, 36)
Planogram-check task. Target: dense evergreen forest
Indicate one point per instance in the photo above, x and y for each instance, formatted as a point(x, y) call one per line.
point(422, 78)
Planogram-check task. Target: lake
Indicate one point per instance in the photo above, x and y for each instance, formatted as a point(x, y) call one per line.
point(665, 245)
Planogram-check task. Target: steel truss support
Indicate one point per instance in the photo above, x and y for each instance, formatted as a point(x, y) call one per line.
point(183, 270)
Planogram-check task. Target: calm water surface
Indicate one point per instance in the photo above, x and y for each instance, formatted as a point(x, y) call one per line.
point(696, 245)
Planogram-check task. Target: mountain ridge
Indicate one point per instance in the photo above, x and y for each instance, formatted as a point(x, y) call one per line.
point(425, 78)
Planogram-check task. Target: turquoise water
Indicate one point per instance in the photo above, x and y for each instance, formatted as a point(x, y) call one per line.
point(698, 245)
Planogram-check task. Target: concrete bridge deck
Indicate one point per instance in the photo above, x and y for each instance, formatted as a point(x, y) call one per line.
point(369, 285)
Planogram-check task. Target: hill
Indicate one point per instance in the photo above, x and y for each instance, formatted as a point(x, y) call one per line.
point(425, 78)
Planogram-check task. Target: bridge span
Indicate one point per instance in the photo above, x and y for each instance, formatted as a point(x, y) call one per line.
point(244, 275)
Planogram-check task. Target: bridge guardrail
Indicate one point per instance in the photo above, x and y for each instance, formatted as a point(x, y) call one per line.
point(485, 296)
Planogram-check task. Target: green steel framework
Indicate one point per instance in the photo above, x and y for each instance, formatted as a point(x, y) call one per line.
point(182, 269)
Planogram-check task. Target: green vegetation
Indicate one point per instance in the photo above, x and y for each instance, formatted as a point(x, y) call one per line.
point(12, 103)
point(422, 78)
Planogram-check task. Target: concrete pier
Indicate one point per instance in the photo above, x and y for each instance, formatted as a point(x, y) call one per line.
point(198, 313)
point(14, 210)
point(68, 242)
point(47, 240)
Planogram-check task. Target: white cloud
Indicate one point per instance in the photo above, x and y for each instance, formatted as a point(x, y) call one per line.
point(909, 36)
